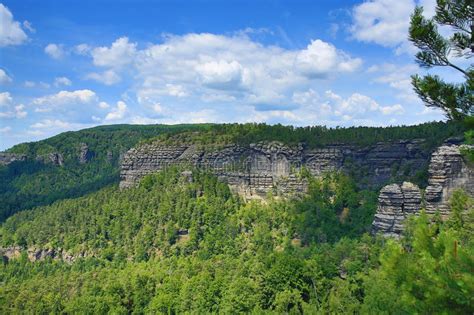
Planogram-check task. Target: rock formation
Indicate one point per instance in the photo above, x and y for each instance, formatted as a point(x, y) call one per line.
point(448, 171)
point(84, 154)
point(7, 158)
point(38, 254)
point(53, 158)
point(395, 203)
point(256, 169)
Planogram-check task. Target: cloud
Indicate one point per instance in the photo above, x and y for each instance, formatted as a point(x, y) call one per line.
point(235, 68)
point(11, 32)
point(396, 109)
point(54, 51)
point(9, 109)
point(4, 78)
point(5, 129)
point(104, 105)
point(27, 25)
point(398, 77)
point(118, 55)
point(386, 22)
point(5, 99)
point(82, 49)
point(220, 74)
point(320, 59)
point(62, 81)
point(118, 112)
point(51, 123)
point(67, 98)
point(108, 77)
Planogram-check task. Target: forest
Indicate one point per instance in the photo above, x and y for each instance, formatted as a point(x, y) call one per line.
point(177, 246)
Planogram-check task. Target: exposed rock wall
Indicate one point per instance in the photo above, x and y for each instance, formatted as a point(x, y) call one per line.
point(7, 158)
point(448, 171)
point(39, 254)
point(395, 203)
point(84, 154)
point(254, 170)
point(53, 158)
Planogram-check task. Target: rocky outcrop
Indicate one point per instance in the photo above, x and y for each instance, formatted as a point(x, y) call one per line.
point(394, 204)
point(38, 254)
point(52, 158)
point(7, 158)
point(254, 170)
point(448, 171)
point(84, 154)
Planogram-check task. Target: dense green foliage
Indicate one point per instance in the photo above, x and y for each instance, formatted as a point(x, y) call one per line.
point(174, 246)
point(315, 136)
point(33, 183)
point(455, 99)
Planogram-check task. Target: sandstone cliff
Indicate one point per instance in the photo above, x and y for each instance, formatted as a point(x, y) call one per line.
point(256, 169)
point(7, 158)
point(448, 171)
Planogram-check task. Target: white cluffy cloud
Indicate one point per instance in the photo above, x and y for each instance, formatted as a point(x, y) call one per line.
point(8, 107)
point(386, 22)
point(11, 32)
point(5, 99)
point(119, 54)
point(54, 51)
point(62, 81)
point(108, 77)
point(117, 112)
point(4, 78)
point(51, 123)
point(66, 98)
point(218, 68)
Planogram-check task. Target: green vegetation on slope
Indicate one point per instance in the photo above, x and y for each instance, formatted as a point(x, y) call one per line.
point(32, 183)
point(285, 256)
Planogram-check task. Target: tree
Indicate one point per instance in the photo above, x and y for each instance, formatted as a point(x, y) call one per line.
point(455, 99)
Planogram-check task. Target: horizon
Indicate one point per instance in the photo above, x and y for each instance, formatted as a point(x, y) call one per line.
point(344, 63)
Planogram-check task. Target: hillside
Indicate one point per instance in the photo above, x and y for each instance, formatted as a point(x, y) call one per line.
point(40, 180)
point(181, 242)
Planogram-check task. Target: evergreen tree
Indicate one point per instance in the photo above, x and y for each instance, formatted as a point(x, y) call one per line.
point(455, 99)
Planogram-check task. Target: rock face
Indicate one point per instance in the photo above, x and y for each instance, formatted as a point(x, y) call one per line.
point(254, 170)
point(395, 203)
point(7, 158)
point(447, 172)
point(38, 254)
point(84, 154)
point(53, 158)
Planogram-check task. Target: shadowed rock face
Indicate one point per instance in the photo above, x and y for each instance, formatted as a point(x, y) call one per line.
point(7, 158)
point(395, 203)
point(84, 154)
point(254, 170)
point(447, 172)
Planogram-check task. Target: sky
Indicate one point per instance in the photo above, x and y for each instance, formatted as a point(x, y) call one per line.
point(69, 65)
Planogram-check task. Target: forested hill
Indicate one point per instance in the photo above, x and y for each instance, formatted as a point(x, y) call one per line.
point(72, 164)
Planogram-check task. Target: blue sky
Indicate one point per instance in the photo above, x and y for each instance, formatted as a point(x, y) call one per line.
point(68, 65)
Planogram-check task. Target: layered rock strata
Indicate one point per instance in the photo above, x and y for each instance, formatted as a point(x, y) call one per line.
point(394, 204)
point(256, 169)
point(448, 171)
